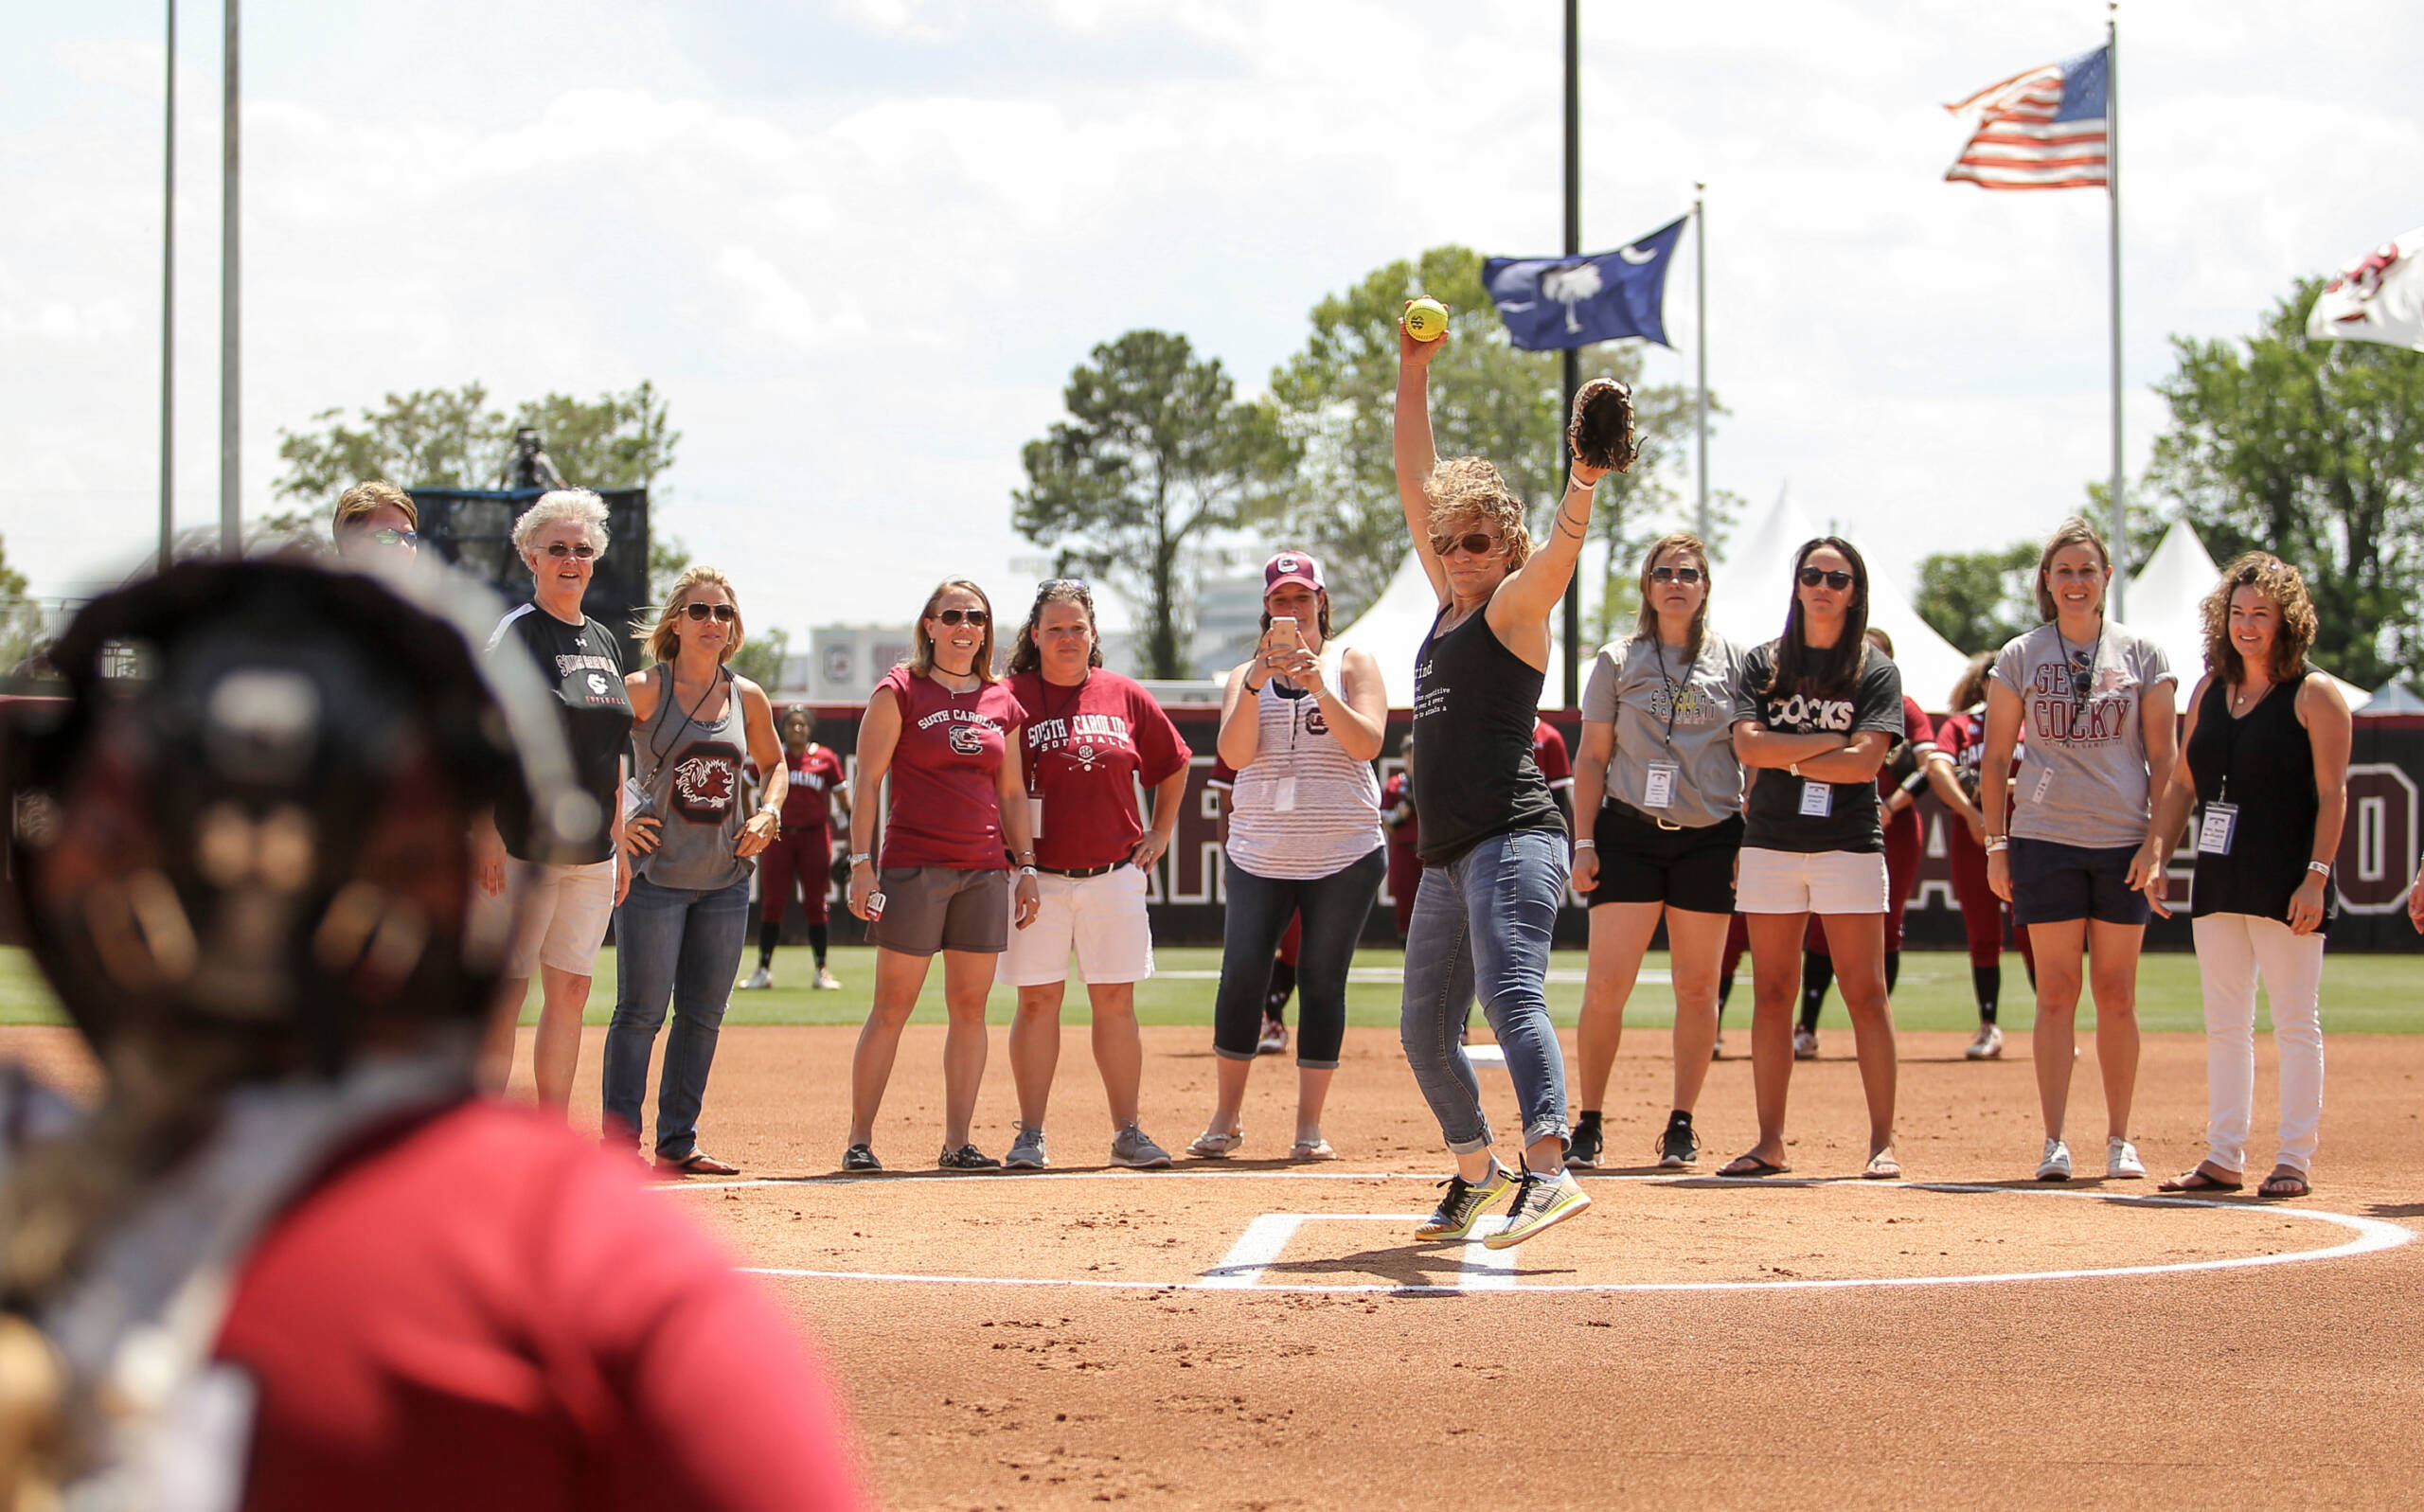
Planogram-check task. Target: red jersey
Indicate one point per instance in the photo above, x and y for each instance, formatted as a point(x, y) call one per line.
point(1963, 737)
point(946, 806)
point(478, 1310)
point(1549, 755)
point(1086, 750)
point(815, 773)
point(1398, 793)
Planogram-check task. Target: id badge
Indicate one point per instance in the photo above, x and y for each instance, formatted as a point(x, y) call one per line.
point(634, 798)
point(2044, 780)
point(1817, 798)
point(1658, 791)
point(1283, 797)
point(2221, 823)
point(1035, 819)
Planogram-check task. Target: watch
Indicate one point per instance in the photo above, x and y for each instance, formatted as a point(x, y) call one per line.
point(858, 856)
point(1028, 870)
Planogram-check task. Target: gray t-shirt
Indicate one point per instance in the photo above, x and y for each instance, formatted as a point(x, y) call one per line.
point(2082, 779)
point(1666, 712)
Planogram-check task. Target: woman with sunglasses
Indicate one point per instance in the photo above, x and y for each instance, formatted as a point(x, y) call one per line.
point(1092, 738)
point(1657, 740)
point(1820, 708)
point(2071, 852)
point(376, 521)
point(565, 905)
point(701, 731)
point(946, 730)
point(1493, 838)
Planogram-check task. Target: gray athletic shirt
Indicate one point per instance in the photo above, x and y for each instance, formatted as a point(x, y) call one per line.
point(2082, 777)
point(1635, 684)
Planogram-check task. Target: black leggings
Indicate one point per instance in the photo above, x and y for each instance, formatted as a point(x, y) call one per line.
point(1334, 909)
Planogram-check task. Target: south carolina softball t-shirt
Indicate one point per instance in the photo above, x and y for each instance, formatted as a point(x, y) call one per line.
point(1086, 750)
point(946, 809)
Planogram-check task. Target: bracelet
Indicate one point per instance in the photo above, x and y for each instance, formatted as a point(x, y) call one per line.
point(1996, 842)
point(1576, 485)
point(2321, 868)
point(1027, 870)
point(1586, 845)
point(860, 857)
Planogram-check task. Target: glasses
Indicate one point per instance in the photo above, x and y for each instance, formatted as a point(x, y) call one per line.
point(1479, 543)
point(1675, 575)
point(1049, 584)
point(580, 553)
point(974, 616)
point(1812, 576)
point(392, 538)
point(724, 613)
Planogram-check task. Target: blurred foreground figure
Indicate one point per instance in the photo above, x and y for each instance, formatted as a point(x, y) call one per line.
point(291, 1261)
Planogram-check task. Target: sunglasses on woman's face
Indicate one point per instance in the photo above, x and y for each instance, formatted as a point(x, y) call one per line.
point(1478, 542)
point(974, 616)
point(722, 613)
point(1812, 576)
point(581, 553)
point(1675, 575)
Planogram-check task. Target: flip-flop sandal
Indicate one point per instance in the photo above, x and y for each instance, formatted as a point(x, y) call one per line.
point(698, 1163)
point(2283, 1187)
point(1210, 1146)
point(2197, 1181)
point(1752, 1166)
point(1882, 1169)
point(1312, 1150)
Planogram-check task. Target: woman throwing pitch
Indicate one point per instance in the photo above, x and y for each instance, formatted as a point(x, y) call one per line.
point(947, 731)
point(2094, 700)
point(1494, 838)
point(1657, 739)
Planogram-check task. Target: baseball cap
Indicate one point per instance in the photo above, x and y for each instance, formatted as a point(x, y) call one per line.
point(1292, 567)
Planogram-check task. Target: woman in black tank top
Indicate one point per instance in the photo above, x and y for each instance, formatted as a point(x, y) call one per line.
point(2268, 766)
point(1493, 838)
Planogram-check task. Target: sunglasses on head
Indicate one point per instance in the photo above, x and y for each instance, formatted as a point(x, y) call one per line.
point(973, 616)
point(581, 553)
point(1478, 542)
point(1676, 575)
point(1812, 576)
point(724, 613)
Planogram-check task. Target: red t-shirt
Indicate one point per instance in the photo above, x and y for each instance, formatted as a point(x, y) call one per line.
point(1548, 753)
point(1087, 748)
point(946, 806)
point(479, 1310)
point(1405, 834)
point(809, 803)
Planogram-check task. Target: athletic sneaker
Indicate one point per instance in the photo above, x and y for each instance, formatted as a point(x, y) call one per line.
point(1540, 1203)
point(1804, 1044)
point(1027, 1151)
point(1465, 1202)
point(2056, 1166)
point(1130, 1147)
point(1717, 1048)
point(1275, 1039)
point(1582, 1146)
point(825, 982)
point(967, 1158)
point(2121, 1162)
point(860, 1158)
point(1678, 1145)
point(1989, 1045)
point(759, 982)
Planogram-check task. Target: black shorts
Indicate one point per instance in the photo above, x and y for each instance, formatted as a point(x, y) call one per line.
point(2052, 884)
point(1640, 861)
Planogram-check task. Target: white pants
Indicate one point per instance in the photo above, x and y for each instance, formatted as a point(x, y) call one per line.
point(2231, 951)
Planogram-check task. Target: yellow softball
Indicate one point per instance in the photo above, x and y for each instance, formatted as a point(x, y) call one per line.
point(1426, 319)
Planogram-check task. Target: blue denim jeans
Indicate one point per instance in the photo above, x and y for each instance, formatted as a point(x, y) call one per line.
point(1480, 928)
point(683, 944)
point(1334, 908)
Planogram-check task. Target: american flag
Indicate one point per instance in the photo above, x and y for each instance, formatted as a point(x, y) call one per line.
point(2044, 129)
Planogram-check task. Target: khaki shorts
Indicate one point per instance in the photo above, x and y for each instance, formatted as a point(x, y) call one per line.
point(563, 916)
point(1825, 881)
point(941, 908)
point(1101, 918)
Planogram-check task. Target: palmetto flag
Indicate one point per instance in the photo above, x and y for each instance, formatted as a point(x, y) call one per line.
point(2044, 129)
point(1550, 304)
point(2379, 297)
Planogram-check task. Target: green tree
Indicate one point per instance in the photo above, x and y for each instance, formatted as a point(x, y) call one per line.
point(21, 622)
point(760, 658)
point(667, 560)
point(1978, 599)
point(2312, 451)
point(615, 441)
point(1157, 455)
point(451, 439)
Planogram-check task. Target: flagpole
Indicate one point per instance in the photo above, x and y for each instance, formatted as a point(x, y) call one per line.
point(1573, 365)
point(168, 302)
point(230, 321)
point(2119, 535)
point(1700, 262)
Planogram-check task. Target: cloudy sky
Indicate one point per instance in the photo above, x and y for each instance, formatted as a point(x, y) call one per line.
point(860, 244)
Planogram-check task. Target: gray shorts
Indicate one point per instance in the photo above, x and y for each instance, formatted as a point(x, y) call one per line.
point(941, 908)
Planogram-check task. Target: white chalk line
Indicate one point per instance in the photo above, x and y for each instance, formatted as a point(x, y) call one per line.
point(1561, 977)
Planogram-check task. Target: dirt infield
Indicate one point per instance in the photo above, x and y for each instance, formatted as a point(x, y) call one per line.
point(1966, 1339)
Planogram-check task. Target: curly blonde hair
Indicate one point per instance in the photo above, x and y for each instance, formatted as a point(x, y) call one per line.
point(2277, 580)
point(1468, 488)
point(665, 636)
point(367, 498)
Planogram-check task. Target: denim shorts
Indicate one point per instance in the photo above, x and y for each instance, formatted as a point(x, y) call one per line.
point(2054, 883)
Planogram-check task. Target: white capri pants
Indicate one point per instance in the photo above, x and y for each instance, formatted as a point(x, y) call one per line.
point(2233, 950)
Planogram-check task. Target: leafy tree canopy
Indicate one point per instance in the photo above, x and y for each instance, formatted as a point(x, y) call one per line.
point(1978, 599)
point(451, 439)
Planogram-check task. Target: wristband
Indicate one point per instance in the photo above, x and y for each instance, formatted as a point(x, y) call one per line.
point(1586, 845)
point(2321, 868)
point(1026, 871)
point(1996, 842)
point(1576, 485)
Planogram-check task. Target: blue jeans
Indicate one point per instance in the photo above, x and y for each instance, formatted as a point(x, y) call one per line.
point(1334, 908)
point(683, 944)
point(1481, 926)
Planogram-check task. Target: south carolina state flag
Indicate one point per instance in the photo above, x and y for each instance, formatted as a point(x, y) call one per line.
point(1550, 304)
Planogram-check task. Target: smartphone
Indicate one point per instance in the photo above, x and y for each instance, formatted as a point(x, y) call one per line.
point(875, 907)
point(1283, 631)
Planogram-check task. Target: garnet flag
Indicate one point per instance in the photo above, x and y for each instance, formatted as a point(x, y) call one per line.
point(2044, 129)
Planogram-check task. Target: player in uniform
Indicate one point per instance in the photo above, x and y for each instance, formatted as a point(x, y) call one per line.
point(802, 856)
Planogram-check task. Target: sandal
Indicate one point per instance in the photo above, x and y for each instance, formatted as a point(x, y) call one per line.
point(2198, 1180)
point(2283, 1183)
point(1211, 1146)
point(1752, 1166)
point(1881, 1168)
point(1312, 1150)
point(698, 1163)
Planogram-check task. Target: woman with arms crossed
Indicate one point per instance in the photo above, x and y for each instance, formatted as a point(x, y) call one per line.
point(1657, 726)
point(2094, 701)
point(2267, 757)
point(1494, 838)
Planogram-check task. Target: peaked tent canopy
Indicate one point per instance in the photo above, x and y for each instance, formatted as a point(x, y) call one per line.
point(1393, 628)
point(2164, 600)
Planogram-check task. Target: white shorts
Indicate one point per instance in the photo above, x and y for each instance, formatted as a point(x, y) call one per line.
point(1101, 918)
point(1825, 881)
point(563, 915)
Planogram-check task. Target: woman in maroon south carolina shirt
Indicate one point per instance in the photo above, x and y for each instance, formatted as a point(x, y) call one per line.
point(946, 730)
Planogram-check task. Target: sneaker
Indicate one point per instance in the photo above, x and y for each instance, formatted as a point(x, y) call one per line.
point(1131, 1148)
point(1027, 1151)
point(759, 981)
point(1989, 1045)
point(2056, 1166)
point(1678, 1145)
point(1582, 1146)
point(1542, 1201)
point(1465, 1202)
point(825, 982)
point(1717, 1048)
point(2121, 1162)
point(1804, 1044)
point(967, 1158)
point(860, 1158)
point(1275, 1039)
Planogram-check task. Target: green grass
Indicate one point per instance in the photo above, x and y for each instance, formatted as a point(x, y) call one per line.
point(2373, 994)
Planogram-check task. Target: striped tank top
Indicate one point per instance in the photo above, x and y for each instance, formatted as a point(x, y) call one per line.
point(1334, 820)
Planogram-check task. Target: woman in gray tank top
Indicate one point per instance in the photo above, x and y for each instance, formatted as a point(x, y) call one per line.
point(680, 930)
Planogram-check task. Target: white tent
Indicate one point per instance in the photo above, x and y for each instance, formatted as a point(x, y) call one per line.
point(1393, 628)
point(2163, 605)
point(1754, 585)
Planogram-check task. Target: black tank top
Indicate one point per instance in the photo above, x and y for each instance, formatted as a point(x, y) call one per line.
point(2264, 762)
point(1474, 705)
